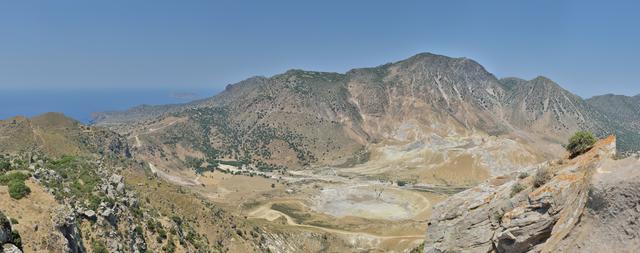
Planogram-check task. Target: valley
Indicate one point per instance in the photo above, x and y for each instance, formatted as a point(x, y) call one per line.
point(304, 161)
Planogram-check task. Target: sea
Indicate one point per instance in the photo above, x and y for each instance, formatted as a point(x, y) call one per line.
point(80, 103)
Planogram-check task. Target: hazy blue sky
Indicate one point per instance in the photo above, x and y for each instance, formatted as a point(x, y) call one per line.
point(589, 48)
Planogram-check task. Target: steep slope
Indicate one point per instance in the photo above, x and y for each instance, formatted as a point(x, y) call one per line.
point(624, 111)
point(368, 105)
point(429, 89)
point(541, 106)
point(624, 107)
point(302, 117)
point(574, 205)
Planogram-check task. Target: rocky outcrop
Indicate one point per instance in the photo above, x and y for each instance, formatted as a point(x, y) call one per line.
point(558, 206)
point(10, 240)
point(65, 221)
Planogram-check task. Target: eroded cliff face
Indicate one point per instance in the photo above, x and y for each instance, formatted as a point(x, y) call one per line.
point(585, 204)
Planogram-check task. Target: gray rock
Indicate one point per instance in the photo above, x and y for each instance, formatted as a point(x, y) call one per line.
point(115, 178)
point(120, 188)
point(5, 229)
point(10, 248)
point(90, 214)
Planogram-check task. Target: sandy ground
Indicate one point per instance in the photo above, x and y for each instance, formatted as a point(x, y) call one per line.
point(33, 211)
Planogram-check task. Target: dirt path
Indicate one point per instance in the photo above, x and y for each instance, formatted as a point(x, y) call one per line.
point(175, 179)
point(151, 130)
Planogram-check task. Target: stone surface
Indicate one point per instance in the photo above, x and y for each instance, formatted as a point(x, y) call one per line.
point(589, 203)
point(10, 248)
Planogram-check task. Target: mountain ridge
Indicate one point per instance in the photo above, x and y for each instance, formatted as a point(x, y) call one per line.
point(459, 88)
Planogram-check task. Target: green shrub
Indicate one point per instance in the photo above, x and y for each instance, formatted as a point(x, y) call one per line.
point(15, 176)
point(580, 142)
point(170, 247)
point(543, 175)
point(523, 175)
point(516, 188)
point(4, 165)
point(162, 234)
point(18, 190)
point(98, 247)
point(14, 221)
point(401, 183)
point(151, 225)
point(17, 239)
point(177, 220)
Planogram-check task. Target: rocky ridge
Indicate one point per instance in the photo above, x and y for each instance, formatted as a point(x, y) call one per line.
point(559, 206)
point(339, 116)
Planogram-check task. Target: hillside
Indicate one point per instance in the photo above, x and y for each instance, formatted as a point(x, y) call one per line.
point(55, 134)
point(541, 106)
point(624, 111)
point(343, 153)
point(303, 117)
point(85, 193)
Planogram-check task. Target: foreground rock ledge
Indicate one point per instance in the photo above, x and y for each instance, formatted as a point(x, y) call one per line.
point(587, 204)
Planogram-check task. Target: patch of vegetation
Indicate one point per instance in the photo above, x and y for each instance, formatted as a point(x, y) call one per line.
point(245, 143)
point(16, 238)
point(580, 142)
point(193, 162)
point(14, 221)
point(15, 181)
point(99, 247)
point(298, 215)
point(79, 179)
point(15, 176)
point(418, 249)
point(401, 183)
point(497, 215)
point(170, 247)
point(231, 163)
point(517, 188)
point(4, 165)
point(18, 190)
point(542, 176)
point(523, 175)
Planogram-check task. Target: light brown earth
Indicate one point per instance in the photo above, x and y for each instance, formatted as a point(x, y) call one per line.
point(36, 209)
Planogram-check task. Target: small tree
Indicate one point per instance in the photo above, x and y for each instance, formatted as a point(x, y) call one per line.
point(580, 142)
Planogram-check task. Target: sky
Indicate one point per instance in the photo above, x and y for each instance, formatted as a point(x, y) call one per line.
point(589, 48)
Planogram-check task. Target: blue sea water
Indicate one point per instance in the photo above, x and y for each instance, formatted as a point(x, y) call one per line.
point(79, 104)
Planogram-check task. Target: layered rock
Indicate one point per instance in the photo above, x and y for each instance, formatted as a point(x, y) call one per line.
point(558, 206)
